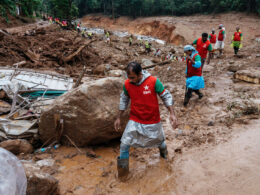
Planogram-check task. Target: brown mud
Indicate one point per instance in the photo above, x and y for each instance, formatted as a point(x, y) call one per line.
point(215, 150)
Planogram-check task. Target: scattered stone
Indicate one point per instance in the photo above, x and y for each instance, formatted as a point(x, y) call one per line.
point(251, 75)
point(178, 150)
point(211, 123)
point(257, 56)
point(115, 73)
point(231, 62)
point(39, 182)
point(45, 162)
point(4, 107)
point(146, 62)
point(88, 112)
point(102, 69)
point(17, 146)
point(208, 68)
point(234, 68)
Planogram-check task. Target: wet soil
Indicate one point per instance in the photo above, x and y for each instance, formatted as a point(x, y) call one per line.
point(229, 168)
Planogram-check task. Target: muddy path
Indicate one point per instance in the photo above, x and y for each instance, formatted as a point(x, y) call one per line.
point(214, 151)
point(229, 168)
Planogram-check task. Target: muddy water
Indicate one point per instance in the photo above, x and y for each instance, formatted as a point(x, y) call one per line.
point(83, 175)
point(229, 168)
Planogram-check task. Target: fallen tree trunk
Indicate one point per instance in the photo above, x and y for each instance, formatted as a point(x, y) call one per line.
point(71, 56)
point(158, 64)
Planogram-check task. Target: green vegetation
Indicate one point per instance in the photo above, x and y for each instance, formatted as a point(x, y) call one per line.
point(137, 8)
point(67, 9)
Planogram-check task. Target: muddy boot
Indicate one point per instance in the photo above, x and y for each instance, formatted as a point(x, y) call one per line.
point(163, 152)
point(122, 167)
point(199, 93)
point(187, 97)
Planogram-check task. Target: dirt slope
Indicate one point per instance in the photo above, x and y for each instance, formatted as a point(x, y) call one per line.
point(181, 30)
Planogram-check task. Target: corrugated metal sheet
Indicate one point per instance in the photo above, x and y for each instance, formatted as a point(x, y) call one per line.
point(36, 80)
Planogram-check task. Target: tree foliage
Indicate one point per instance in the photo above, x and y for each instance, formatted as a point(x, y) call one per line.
point(137, 8)
point(67, 9)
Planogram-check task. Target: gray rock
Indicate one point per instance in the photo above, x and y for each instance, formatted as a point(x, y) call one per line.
point(17, 146)
point(39, 182)
point(88, 111)
point(146, 62)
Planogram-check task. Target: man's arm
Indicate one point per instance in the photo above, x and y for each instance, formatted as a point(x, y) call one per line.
point(210, 49)
point(124, 101)
point(197, 62)
point(194, 42)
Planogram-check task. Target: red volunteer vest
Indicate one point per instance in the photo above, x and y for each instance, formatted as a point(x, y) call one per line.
point(144, 102)
point(192, 71)
point(202, 48)
point(213, 38)
point(220, 35)
point(237, 36)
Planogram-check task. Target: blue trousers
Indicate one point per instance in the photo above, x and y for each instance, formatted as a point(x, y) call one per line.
point(124, 150)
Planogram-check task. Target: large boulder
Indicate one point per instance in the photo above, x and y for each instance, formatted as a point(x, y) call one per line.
point(88, 112)
point(250, 75)
point(17, 146)
point(39, 182)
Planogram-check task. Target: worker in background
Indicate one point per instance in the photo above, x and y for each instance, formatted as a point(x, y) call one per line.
point(144, 128)
point(140, 42)
point(236, 40)
point(221, 38)
point(64, 24)
point(107, 37)
point(213, 37)
point(83, 32)
point(130, 40)
point(148, 47)
point(78, 27)
point(50, 19)
point(194, 78)
point(213, 40)
point(203, 45)
point(90, 34)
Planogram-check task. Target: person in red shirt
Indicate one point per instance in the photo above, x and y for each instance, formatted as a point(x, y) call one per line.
point(236, 40)
point(203, 45)
point(212, 37)
point(221, 38)
point(144, 129)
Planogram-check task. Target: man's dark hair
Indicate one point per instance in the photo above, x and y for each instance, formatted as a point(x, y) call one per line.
point(134, 67)
point(205, 35)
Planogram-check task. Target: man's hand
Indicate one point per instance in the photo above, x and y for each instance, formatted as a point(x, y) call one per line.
point(173, 121)
point(188, 57)
point(117, 124)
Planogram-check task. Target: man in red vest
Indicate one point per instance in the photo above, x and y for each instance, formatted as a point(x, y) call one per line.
point(144, 128)
point(236, 40)
point(213, 37)
point(203, 45)
point(194, 78)
point(221, 38)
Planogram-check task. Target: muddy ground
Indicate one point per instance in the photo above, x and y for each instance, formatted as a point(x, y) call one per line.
point(215, 150)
